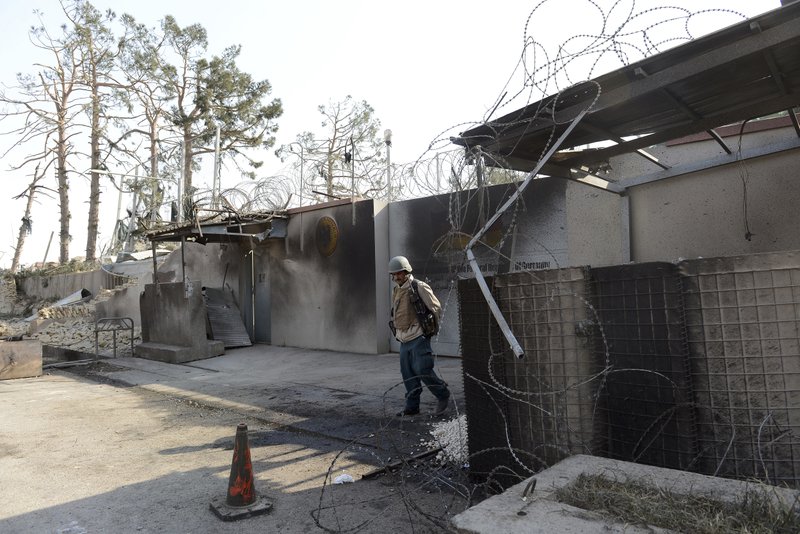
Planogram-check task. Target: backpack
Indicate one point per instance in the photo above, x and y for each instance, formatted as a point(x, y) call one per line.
point(427, 319)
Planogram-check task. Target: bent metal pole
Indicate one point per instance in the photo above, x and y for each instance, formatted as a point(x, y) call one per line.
point(487, 294)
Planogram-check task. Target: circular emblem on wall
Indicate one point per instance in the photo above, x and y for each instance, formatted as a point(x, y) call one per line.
point(327, 236)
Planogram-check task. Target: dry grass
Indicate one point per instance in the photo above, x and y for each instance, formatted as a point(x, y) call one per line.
point(637, 504)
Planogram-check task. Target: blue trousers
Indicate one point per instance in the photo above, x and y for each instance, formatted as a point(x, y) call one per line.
point(416, 366)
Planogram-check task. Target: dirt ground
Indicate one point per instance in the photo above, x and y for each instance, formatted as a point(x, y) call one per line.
point(78, 456)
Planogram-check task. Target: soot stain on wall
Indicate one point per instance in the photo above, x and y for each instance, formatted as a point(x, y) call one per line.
point(442, 226)
point(353, 266)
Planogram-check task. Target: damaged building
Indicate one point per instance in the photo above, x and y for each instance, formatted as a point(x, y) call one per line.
point(657, 234)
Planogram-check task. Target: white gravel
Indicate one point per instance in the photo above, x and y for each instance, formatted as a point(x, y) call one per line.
point(451, 436)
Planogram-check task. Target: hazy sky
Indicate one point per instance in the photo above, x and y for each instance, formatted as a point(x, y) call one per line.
point(425, 66)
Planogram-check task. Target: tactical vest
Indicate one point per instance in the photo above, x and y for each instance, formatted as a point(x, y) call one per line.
point(404, 314)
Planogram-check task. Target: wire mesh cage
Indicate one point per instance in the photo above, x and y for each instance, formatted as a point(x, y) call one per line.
point(742, 318)
point(693, 366)
point(646, 396)
point(537, 410)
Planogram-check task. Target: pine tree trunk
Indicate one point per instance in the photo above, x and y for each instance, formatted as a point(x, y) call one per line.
point(23, 230)
point(63, 194)
point(94, 191)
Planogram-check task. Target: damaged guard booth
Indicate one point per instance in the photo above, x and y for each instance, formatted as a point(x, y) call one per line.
point(193, 319)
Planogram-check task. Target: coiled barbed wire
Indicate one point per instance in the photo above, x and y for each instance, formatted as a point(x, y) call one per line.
point(625, 33)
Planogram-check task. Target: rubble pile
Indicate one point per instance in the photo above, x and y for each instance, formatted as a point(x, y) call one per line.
point(72, 327)
point(82, 309)
point(76, 333)
point(63, 312)
point(8, 295)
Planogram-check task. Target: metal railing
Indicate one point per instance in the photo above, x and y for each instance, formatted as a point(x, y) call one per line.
point(114, 325)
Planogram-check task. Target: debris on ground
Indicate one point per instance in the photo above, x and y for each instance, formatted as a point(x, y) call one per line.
point(75, 333)
point(344, 478)
point(70, 326)
point(451, 436)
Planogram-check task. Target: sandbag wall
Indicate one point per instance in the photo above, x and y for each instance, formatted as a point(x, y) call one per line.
point(694, 366)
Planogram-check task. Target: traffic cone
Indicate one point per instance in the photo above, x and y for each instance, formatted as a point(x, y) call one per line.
point(241, 500)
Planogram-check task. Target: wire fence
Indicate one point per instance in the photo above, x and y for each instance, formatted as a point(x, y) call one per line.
point(690, 367)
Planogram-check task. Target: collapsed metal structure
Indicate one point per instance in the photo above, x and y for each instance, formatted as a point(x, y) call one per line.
point(746, 71)
point(691, 366)
point(743, 72)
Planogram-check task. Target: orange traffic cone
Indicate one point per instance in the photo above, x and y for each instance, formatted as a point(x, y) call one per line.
point(241, 500)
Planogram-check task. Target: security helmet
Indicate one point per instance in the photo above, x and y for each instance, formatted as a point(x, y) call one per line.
point(399, 263)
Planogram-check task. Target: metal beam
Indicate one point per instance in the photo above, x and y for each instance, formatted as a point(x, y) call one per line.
point(473, 262)
point(220, 232)
point(777, 76)
point(689, 112)
point(756, 110)
point(793, 118)
point(582, 177)
point(714, 135)
point(695, 65)
point(726, 159)
point(619, 140)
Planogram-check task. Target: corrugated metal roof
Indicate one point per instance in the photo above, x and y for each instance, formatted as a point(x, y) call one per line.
point(225, 319)
point(748, 70)
point(236, 227)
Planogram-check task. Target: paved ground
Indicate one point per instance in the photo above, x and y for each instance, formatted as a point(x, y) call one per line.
point(133, 445)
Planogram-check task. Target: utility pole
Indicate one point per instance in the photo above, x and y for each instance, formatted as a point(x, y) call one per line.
point(438, 175)
point(180, 181)
point(352, 177)
point(387, 137)
point(481, 181)
point(215, 181)
point(126, 248)
point(115, 237)
point(47, 250)
point(302, 165)
point(134, 188)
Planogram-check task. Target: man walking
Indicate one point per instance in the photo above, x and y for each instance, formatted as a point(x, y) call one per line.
point(413, 332)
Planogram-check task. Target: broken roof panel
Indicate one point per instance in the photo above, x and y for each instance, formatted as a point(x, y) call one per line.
point(241, 227)
point(748, 70)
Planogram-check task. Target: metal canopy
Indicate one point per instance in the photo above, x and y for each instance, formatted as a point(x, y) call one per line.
point(745, 71)
point(258, 227)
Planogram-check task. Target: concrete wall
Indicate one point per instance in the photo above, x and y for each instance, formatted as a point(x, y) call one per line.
point(213, 265)
point(174, 324)
point(702, 214)
point(324, 286)
point(62, 285)
point(306, 292)
point(557, 224)
point(8, 296)
point(174, 314)
point(597, 227)
point(327, 285)
point(210, 265)
point(124, 303)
